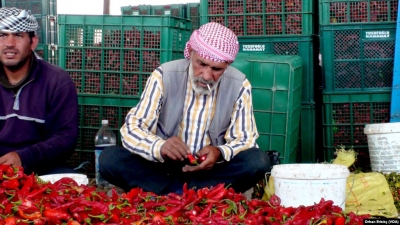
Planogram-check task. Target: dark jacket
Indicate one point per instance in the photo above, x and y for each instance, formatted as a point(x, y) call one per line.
point(40, 121)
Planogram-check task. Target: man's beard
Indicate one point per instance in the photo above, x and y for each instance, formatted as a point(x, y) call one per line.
point(199, 89)
point(15, 65)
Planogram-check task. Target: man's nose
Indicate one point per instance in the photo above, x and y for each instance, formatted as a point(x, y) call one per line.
point(208, 73)
point(10, 41)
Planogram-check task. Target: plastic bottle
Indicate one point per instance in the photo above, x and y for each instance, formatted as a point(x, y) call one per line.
point(105, 137)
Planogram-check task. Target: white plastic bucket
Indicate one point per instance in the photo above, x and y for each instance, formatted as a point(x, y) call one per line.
point(384, 146)
point(306, 184)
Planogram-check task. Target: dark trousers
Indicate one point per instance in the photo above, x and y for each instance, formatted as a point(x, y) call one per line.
point(127, 170)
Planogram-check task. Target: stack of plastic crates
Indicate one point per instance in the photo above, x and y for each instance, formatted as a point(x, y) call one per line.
point(109, 59)
point(136, 10)
point(276, 78)
point(193, 14)
point(45, 12)
point(177, 10)
point(279, 27)
point(357, 48)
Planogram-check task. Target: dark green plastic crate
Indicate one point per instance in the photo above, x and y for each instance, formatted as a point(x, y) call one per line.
point(176, 10)
point(358, 57)
point(259, 18)
point(300, 45)
point(193, 14)
point(114, 55)
point(307, 133)
point(357, 11)
point(38, 8)
point(126, 10)
point(276, 92)
point(93, 109)
point(136, 10)
point(345, 116)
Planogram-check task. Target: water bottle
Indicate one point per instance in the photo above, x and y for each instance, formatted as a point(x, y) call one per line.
point(105, 137)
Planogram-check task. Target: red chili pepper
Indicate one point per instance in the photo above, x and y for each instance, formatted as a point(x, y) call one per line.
point(73, 222)
point(3, 167)
point(97, 207)
point(10, 209)
point(202, 158)
point(205, 211)
point(85, 217)
point(132, 194)
point(36, 192)
point(9, 221)
point(32, 216)
point(340, 221)
point(192, 159)
point(12, 184)
point(220, 195)
point(54, 214)
point(65, 181)
point(40, 221)
point(275, 200)
point(114, 218)
point(26, 206)
point(214, 191)
point(172, 210)
point(27, 185)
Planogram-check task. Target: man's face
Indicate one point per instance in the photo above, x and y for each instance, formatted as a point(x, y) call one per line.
point(203, 72)
point(16, 48)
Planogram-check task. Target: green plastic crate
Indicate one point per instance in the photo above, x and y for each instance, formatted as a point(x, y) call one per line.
point(193, 14)
point(126, 10)
point(176, 10)
point(307, 133)
point(114, 55)
point(345, 116)
point(38, 8)
point(303, 46)
point(260, 18)
point(358, 57)
point(136, 10)
point(357, 11)
point(276, 91)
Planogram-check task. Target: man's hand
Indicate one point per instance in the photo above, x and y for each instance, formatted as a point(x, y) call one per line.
point(213, 154)
point(11, 158)
point(175, 149)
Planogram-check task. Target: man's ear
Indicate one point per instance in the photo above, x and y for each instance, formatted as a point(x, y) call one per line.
point(35, 42)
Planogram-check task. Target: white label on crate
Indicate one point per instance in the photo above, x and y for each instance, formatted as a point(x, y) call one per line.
point(135, 13)
point(253, 48)
point(377, 34)
point(167, 12)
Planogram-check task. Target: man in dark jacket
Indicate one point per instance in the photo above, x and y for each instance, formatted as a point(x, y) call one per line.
point(38, 101)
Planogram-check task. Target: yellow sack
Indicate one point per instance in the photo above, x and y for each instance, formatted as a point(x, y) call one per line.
point(370, 194)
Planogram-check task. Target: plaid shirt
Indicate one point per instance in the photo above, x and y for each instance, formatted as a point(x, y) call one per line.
point(138, 132)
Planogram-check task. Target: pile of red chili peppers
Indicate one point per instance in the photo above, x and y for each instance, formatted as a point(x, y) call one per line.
point(26, 200)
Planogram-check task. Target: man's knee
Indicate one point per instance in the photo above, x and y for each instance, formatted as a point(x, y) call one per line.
point(107, 157)
point(257, 160)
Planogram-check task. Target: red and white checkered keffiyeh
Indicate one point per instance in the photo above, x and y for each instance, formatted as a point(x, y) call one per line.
point(213, 41)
